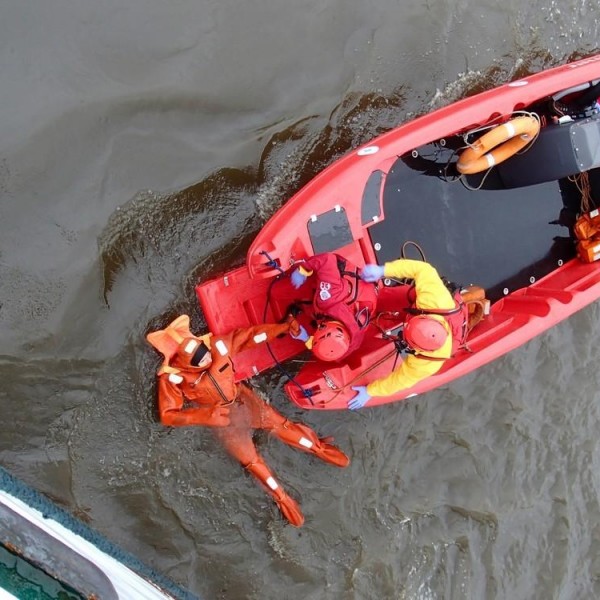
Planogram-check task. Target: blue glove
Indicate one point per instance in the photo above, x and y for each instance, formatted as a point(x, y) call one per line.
point(302, 334)
point(361, 398)
point(371, 273)
point(297, 278)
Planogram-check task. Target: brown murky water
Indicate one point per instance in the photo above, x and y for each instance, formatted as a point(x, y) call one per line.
point(142, 146)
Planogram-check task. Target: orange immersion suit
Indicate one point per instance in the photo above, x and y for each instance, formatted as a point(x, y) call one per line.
point(197, 395)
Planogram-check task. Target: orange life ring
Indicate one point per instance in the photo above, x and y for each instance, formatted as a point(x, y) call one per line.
point(498, 144)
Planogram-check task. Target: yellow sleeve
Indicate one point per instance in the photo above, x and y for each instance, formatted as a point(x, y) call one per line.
point(430, 289)
point(412, 370)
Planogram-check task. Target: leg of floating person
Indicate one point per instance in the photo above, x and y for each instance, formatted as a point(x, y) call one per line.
point(297, 435)
point(237, 440)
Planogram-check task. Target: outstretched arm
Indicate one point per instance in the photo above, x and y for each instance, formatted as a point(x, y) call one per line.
point(412, 370)
point(245, 339)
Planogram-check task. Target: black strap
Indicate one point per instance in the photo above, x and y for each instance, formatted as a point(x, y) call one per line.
point(453, 288)
point(363, 317)
point(588, 97)
point(341, 265)
point(431, 311)
point(425, 356)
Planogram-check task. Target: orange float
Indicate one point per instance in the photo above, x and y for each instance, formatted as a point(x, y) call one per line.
point(497, 145)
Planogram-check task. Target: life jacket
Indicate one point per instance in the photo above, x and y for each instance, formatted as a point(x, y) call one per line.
point(362, 296)
point(587, 232)
point(587, 225)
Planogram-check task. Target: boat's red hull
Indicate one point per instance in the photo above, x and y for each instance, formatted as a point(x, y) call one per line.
point(246, 295)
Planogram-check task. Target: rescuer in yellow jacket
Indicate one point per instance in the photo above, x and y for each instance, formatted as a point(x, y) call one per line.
point(435, 326)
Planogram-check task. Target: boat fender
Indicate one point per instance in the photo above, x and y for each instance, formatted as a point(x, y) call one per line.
point(498, 144)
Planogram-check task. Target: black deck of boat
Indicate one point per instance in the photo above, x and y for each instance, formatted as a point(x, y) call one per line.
point(496, 238)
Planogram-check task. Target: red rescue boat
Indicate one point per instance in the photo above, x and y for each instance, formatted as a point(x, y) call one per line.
point(489, 187)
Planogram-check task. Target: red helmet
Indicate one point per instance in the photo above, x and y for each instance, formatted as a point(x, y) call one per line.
point(424, 333)
point(331, 341)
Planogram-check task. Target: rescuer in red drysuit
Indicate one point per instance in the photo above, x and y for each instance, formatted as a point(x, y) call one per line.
point(343, 305)
point(196, 386)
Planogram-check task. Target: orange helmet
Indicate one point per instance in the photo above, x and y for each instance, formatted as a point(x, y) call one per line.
point(331, 341)
point(424, 333)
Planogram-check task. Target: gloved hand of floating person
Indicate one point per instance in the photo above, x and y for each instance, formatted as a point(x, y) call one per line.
point(218, 415)
point(297, 278)
point(294, 326)
point(361, 398)
point(302, 334)
point(371, 273)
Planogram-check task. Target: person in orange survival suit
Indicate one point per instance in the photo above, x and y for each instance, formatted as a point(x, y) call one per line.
point(343, 305)
point(196, 386)
point(435, 327)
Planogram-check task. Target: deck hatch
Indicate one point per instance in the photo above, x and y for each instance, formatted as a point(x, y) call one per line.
point(371, 205)
point(329, 231)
